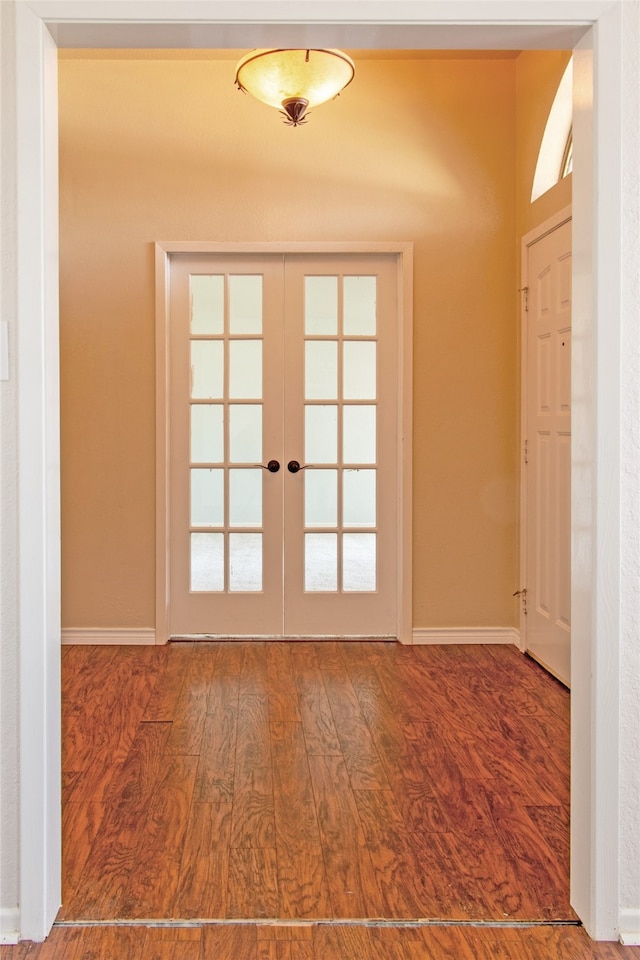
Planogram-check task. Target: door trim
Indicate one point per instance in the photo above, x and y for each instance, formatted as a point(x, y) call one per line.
point(403, 251)
point(538, 233)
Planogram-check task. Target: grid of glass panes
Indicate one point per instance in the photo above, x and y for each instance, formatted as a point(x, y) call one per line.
point(226, 406)
point(340, 428)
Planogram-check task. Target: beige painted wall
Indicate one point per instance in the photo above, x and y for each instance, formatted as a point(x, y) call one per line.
point(167, 149)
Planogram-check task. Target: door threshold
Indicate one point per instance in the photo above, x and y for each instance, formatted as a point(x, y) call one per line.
point(189, 637)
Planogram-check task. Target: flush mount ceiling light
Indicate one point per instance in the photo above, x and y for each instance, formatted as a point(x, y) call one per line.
point(294, 80)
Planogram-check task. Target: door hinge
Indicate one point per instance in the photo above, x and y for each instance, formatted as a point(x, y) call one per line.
point(526, 452)
point(523, 597)
point(525, 292)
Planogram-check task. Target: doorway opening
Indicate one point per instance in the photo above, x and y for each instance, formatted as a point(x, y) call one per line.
point(39, 778)
point(329, 538)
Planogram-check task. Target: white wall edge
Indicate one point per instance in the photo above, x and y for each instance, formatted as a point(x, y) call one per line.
point(126, 637)
point(38, 399)
point(629, 924)
point(427, 635)
point(9, 925)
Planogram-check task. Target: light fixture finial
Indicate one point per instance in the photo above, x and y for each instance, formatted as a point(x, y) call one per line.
point(294, 110)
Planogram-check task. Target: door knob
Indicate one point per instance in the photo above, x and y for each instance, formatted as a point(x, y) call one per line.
point(293, 466)
point(273, 466)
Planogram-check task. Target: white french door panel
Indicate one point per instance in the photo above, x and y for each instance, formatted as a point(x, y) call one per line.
point(341, 409)
point(548, 430)
point(225, 345)
point(283, 450)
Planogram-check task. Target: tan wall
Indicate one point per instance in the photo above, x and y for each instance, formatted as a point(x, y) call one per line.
point(413, 150)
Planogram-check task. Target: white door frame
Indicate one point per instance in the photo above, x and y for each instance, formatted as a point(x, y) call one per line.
point(557, 220)
point(602, 213)
point(404, 256)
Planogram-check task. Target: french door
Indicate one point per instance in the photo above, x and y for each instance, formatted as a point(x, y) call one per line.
point(283, 445)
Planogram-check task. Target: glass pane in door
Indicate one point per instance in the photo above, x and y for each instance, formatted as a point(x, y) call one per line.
point(321, 434)
point(360, 306)
point(207, 369)
point(207, 562)
point(207, 304)
point(226, 365)
point(320, 562)
point(245, 304)
point(321, 306)
point(341, 364)
point(359, 562)
point(207, 433)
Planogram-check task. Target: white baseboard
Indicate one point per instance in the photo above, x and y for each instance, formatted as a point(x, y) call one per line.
point(128, 636)
point(9, 924)
point(629, 926)
point(425, 635)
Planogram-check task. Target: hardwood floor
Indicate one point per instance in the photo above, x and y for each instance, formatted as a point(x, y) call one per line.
point(309, 782)
point(313, 780)
point(318, 942)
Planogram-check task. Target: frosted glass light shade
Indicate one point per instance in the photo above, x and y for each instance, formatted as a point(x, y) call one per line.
point(293, 80)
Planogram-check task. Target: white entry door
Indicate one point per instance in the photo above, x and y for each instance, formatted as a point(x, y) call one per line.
point(548, 473)
point(283, 445)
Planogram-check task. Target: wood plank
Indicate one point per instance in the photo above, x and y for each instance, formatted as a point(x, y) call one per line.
point(448, 943)
point(230, 657)
point(253, 883)
point(406, 890)
point(185, 950)
point(114, 723)
point(473, 878)
point(204, 869)
point(113, 852)
point(295, 812)
point(301, 950)
point(168, 686)
point(303, 888)
point(408, 775)
point(241, 941)
point(85, 672)
point(539, 870)
point(63, 943)
point(302, 884)
point(357, 943)
point(253, 823)
point(107, 943)
point(216, 769)
point(317, 720)
point(80, 824)
point(515, 670)
point(159, 949)
point(527, 743)
point(283, 693)
point(328, 654)
point(153, 885)
point(69, 780)
point(327, 945)
point(352, 883)
point(466, 816)
point(553, 824)
point(191, 708)
point(403, 934)
point(290, 931)
point(366, 771)
point(394, 674)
